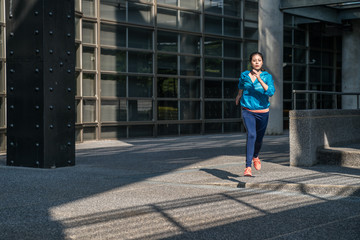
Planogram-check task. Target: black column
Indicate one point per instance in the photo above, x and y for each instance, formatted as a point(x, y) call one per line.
point(40, 54)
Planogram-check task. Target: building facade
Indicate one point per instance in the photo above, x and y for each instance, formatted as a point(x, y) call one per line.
point(148, 68)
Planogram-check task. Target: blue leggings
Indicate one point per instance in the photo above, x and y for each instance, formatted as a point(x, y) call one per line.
point(255, 124)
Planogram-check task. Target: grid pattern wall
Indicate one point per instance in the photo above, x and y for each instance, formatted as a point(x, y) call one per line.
point(161, 67)
point(312, 61)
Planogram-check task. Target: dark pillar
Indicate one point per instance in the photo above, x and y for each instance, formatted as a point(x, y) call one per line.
point(40, 54)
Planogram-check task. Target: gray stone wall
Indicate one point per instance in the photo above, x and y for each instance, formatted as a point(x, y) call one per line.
point(311, 129)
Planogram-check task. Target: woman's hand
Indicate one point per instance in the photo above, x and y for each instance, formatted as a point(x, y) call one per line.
point(238, 97)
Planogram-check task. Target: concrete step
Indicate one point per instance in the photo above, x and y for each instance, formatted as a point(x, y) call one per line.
point(347, 156)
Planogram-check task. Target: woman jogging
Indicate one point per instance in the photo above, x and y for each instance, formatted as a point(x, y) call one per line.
point(255, 88)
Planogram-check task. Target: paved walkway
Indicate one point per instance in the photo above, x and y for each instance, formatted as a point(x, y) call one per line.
point(179, 188)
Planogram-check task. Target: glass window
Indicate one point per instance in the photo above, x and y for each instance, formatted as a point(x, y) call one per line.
point(250, 47)
point(113, 110)
point(89, 84)
point(189, 88)
point(194, 128)
point(167, 41)
point(299, 55)
point(299, 37)
point(231, 110)
point(140, 86)
point(213, 47)
point(88, 59)
point(251, 10)
point(168, 129)
point(113, 35)
point(287, 55)
point(213, 6)
point(113, 60)
point(140, 62)
point(89, 134)
point(300, 73)
point(167, 64)
point(251, 30)
point(315, 75)
point(189, 21)
point(213, 67)
point(190, 44)
point(166, 18)
point(140, 38)
point(189, 110)
point(232, 49)
point(287, 36)
point(113, 132)
point(213, 25)
point(77, 28)
point(168, 2)
point(232, 69)
point(315, 58)
point(232, 8)
point(89, 33)
point(113, 85)
point(167, 87)
point(213, 89)
point(113, 10)
point(232, 127)
point(140, 110)
point(140, 13)
point(190, 4)
point(213, 110)
point(287, 73)
point(327, 59)
point(89, 110)
point(232, 27)
point(141, 131)
point(88, 8)
point(327, 75)
point(167, 110)
point(231, 89)
point(190, 66)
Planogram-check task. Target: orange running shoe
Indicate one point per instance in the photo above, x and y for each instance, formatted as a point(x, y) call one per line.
point(257, 163)
point(248, 172)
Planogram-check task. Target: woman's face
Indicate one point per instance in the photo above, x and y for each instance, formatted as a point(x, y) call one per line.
point(256, 62)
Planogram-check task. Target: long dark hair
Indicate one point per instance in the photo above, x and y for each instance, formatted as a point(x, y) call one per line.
point(262, 57)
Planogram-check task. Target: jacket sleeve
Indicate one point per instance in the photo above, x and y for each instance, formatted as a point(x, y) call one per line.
point(271, 88)
point(241, 82)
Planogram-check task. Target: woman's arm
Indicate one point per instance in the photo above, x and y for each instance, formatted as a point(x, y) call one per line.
point(264, 85)
point(238, 97)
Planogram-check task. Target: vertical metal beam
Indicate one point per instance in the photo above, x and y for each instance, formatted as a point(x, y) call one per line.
point(40, 83)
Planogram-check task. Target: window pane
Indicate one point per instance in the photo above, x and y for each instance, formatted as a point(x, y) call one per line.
point(299, 37)
point(167, 41)
point(189, 21)
point(88, 59)
point(113, 111)
point(166, 18)
point(299, 55)
point(213, 67)
point(189, 110)
point(89, 134)
point(213, 89)
point(249, 48)
point(113, 132)
point(213, 6)
point(88, 110)
point(89, 84)
point(251, 10)
point(190, 66)
point(288, 36)
point(113, 35)
point(190, 4)
point(315, 75)
point(327, 75)
point(232, 27)
point(189, 88)
point(232, 69)
point(77, 28)
point(194, 128)
point(231, 110)
point(88, 8)
point(213, 47)
point(141, 131)
point(190, 44)
point(327, 59)
point(300, 73)
point(232, 127)
point(89, 35)
point(168, 129)
point(113, 60)
point(232, 8)
point(140, 62)
point(167, 64)
point(232, 49)
point(315, 58)
point(168, 2)
point(140, 87)
point(251, 30)
point(140, 13)
point(213, 110)
point(213, 25)
point(140, 110)
point(167, 87)
point(287, 55)
point(167, 110)
point(113, 10)
point(140, 38)
point(113, 86)
point(230, 89)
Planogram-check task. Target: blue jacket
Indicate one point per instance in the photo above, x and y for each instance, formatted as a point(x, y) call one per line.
point(254, 97)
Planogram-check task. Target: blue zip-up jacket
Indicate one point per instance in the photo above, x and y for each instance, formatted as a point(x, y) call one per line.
point(254, 97)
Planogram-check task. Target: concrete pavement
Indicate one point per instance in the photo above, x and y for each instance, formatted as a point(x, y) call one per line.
point(179, 188)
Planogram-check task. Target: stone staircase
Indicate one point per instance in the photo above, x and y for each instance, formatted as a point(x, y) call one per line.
point(347, 156)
